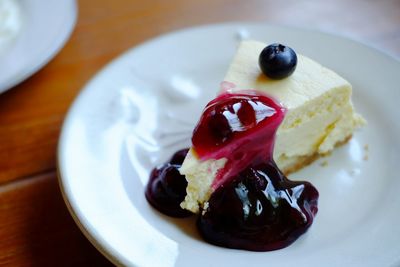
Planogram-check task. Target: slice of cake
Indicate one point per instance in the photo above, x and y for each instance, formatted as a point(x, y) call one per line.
point(320, 116)
point(253, 206)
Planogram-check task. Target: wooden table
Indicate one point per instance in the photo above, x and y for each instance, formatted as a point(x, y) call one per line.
point(35, 226)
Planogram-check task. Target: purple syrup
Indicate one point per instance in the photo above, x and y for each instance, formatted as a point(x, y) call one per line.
point(238, 127)
point(259, 210)
point(166, 188)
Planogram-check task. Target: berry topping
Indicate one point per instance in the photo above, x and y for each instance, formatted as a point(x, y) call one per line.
point(259, 210)
point(277, 61)
point(253, 205)
point(166, 188)
point(179, 157)
point(240, 127)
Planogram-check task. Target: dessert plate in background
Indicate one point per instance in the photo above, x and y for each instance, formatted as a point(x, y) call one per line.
point(142, 107)
point(45, 26)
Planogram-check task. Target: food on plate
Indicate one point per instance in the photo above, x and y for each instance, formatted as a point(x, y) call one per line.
point(276, 112)
point(319, 117)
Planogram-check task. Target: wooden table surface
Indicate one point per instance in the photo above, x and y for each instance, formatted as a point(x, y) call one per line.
point(35, 226)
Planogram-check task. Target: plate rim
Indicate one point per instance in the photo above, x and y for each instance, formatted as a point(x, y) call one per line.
point(101, 248)
point(91, 234)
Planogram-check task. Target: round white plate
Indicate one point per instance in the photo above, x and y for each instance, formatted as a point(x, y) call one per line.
point(142, 107)
point(45, 27)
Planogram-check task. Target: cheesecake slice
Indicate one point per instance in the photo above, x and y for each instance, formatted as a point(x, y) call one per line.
point(320, 116)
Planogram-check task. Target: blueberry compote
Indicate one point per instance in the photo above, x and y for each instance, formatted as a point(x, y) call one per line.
point(260, 210)
point(166, 188)
point(253, 206)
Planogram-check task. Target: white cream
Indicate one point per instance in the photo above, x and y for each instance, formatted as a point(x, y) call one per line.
point(10, 22)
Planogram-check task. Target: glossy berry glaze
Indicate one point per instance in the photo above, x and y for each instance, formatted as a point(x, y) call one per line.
point(240, 128)
point(166, 188)
point(259, 210)
point(253, 206)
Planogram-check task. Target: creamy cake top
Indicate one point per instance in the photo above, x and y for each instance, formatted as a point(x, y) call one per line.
point(308, 81)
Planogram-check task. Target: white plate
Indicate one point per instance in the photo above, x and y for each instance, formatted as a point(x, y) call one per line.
point(142, 107)
point(45, 27)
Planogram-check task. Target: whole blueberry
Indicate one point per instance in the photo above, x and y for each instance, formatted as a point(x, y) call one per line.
point(277, 61)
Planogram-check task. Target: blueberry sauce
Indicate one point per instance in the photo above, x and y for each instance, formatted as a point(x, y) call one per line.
point(166, 188)
point(259, 210)
point(253, 206)
point(239, 127)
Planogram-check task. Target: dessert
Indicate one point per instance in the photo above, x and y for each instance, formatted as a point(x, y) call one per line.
point(275, 113)
point(320, 116)
point(254, 206)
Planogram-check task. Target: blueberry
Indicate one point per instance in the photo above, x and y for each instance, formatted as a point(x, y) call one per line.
point(179, 157)
point(220, 128)
point(277, 61)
